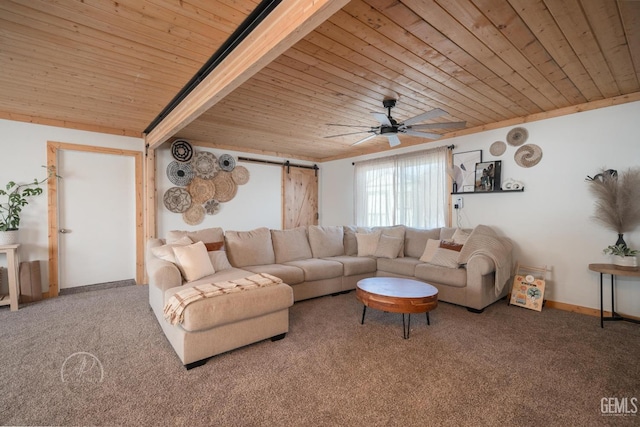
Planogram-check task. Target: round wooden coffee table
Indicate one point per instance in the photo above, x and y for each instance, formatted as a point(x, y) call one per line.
point(397, 295)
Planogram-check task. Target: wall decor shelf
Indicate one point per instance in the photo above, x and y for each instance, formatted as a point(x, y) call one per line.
point(489, 192)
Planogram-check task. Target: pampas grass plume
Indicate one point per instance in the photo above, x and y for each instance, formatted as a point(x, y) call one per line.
point(617, 200)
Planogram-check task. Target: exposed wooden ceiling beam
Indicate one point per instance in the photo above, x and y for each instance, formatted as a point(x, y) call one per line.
point(286, 25)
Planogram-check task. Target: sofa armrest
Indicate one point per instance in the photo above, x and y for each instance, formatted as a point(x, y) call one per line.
point(161, 274)
point(479, 265)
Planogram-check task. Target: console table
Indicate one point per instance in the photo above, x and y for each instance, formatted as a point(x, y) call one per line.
point(12, 267)
point(613, 271)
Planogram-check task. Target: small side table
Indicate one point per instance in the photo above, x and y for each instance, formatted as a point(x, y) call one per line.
point(613, 271)
point(12, 267)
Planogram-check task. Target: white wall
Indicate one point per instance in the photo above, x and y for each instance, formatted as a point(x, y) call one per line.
point(24, 153)
point(550, 222)
point(258, 203)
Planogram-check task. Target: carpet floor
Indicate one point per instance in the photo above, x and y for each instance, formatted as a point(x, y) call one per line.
point(100, 358)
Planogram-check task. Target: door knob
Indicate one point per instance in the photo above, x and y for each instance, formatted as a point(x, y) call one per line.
point(64, 231)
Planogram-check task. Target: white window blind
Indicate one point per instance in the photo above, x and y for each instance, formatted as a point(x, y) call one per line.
point(409, 189)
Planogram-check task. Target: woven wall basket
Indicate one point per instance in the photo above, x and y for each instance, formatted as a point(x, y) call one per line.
point(177, 199)
point(240, 175)
point(194, 215)
point(517, 136)
point(201, 190)
point(498, 148)
point(528, 155)
point(226, 188)
point(205, 164)
point(180, 174)
point(181, 150)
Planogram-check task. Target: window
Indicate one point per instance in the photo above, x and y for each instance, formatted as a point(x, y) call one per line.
point(409, 189)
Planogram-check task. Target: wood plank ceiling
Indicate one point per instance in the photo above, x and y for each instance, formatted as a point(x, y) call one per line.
point(113, 66)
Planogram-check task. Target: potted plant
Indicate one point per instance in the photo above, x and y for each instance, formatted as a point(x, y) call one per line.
point(12, 199)
point(623, 256)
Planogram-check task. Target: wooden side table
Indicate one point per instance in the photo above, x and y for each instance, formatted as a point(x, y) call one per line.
point(613, 271)
point(12, 267)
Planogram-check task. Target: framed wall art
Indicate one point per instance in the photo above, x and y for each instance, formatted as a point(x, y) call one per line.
point(487, 176)
point(464, 168)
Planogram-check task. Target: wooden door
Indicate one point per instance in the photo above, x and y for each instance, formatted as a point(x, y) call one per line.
point(299, 197)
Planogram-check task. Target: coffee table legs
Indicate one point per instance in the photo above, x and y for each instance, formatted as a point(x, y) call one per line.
point(406, 328)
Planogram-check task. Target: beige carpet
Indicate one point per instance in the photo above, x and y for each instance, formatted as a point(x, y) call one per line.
point(507, 366)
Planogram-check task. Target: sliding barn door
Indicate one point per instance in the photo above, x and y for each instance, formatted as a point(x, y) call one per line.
point(299, 197)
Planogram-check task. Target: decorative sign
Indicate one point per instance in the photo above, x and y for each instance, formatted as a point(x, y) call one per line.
point(528, 287)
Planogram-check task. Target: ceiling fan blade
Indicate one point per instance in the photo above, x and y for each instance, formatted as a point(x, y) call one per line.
point(382, 118)
point(345, 134)
point(448, 125)
point(365, 139)
point(349, 126)
point(423, 134)
point(394, 141)
point(437, 112)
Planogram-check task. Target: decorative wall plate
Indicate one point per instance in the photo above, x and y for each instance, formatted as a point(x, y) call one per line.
point(177, 199)
point(517, 136)
point(205, 164)
point(498, 148)
point(528, 155)
point(201, 190)
point(226, 189)
point(194, 215)
point(227, 162)
point(180, 174)
point(181, 150)
point(212, 207)
point(240, 175)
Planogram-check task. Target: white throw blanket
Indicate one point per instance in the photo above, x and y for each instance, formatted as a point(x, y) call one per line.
point(483, 240)
point(178, 302)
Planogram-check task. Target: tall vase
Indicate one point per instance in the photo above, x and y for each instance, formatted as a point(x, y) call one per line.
point(620, 240)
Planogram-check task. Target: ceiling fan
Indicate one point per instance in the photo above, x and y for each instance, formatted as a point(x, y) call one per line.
point(391, 128)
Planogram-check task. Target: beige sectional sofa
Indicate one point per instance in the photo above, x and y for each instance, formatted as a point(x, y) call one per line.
point(315, 261)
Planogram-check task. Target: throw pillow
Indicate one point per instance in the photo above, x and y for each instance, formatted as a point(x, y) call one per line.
point(367, 243)
point(447, 244)
point(165, 252)
point(415, 240)
point(326, 241)
point(460, 236)
point(445, 258)
point(219, 260)
point(193, 261)
point(215, 246)
point(394, 231)
point(388, 246)
point(430, 250)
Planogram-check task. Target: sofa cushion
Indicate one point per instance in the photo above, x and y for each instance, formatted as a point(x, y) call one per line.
point(206, 235)
point(193, 261)
point(250, 247)
point(318, 269)
point(289, 274)
point(367, 243)
point(415, 240)
point(353, 266)
point(388, 246)
point(326, 241)
point(441, 275)
point(291, 245)
point(446, 233)
point(233, 307)
point(402, 266)
point(350, 242)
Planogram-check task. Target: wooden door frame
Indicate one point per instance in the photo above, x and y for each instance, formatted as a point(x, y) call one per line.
point(52, 186)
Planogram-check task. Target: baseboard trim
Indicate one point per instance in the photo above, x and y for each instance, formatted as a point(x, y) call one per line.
point(581, 310)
